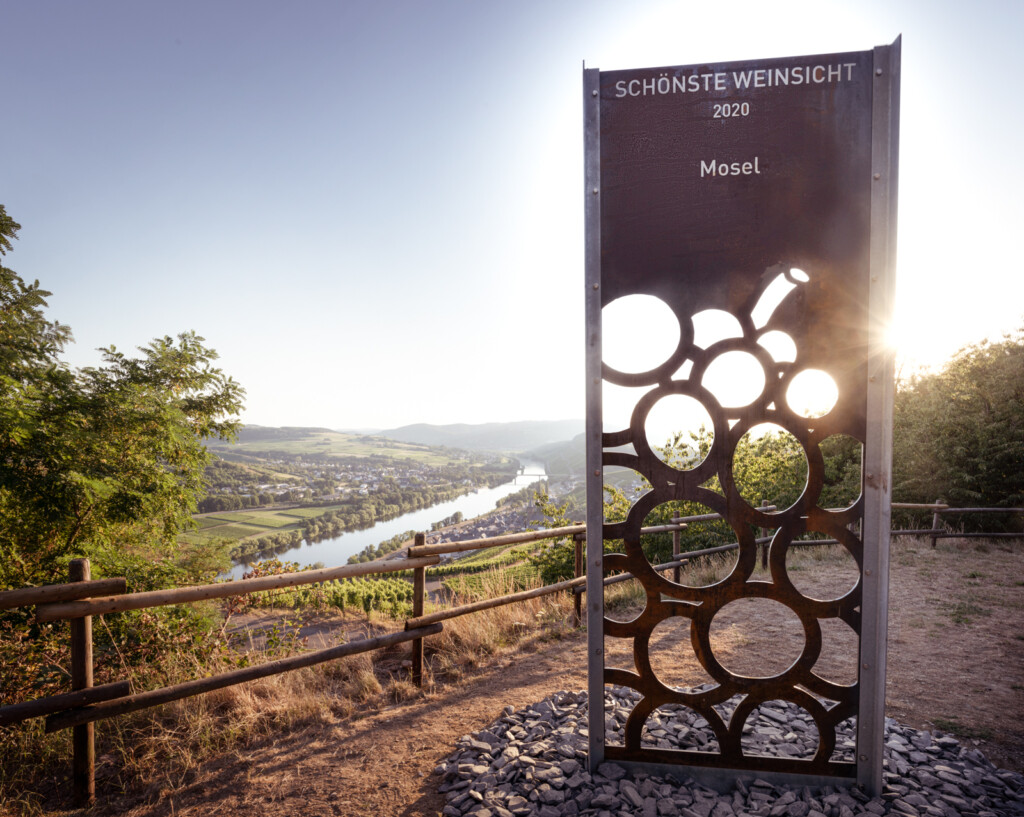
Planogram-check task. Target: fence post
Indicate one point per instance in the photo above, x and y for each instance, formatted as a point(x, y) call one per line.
point(675, 556)
point(83, 739)
point(763, 532)
point(419, 582)
point(936, 521)
point(578, 541)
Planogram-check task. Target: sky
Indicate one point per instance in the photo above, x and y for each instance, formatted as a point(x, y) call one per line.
point(373, 209)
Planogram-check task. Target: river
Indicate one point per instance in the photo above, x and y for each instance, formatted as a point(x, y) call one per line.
point(334, 552)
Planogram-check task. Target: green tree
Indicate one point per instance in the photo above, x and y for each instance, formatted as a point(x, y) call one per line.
point(102, 458)
point(30, 344)
point(959, 432)
point(555, 559)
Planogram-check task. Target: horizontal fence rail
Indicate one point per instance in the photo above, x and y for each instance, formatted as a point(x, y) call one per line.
point(938, 528)
point(494, 541)
point(56, 703)
point(499, 601)
point(221, 590)
point(27, 596)
point(156, 697)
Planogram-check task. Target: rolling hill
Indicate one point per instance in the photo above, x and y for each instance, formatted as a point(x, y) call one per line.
point(514, 437)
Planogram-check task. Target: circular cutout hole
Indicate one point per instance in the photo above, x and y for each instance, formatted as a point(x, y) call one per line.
point(639, 333)
point(624, 601)
point(756, 638)
point(735, 378)
point(840, 646)
point(674, 726)
point(812, 393)
point(769, 463)
point(679, 431)
point(821, 572)
point(843, 456)
point(780, 729)
point(623, 604)
point(672, 656)
point(701, 571)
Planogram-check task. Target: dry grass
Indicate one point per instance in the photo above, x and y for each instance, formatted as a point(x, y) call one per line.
point(468, 641)
point(165, 746)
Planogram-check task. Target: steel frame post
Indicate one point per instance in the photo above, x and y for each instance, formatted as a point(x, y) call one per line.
point(877, 477)
point(595, 491)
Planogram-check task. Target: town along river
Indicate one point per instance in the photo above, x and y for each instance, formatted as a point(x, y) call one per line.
point(334, 552)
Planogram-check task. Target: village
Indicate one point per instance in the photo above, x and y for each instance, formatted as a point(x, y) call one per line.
point(232, 485)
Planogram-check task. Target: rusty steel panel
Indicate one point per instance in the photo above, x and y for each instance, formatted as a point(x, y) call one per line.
point(715, 182)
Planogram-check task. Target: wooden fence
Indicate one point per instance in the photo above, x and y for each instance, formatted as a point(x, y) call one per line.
point(82, 598)
point(938, 529)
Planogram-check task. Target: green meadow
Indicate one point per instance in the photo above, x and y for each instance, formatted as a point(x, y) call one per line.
point(325, 443)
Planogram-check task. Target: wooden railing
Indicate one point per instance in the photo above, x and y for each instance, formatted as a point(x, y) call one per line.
point(938, 529)
point(82, 598)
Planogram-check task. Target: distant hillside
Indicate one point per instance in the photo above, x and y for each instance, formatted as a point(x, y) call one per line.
point(568, 457)
point(258, 434)
point(517, 437)
point(263, 441)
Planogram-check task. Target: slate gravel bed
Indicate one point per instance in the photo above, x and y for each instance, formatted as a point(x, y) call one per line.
point(534, 762)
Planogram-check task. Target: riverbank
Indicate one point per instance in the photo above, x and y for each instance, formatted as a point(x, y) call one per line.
point(335, 551)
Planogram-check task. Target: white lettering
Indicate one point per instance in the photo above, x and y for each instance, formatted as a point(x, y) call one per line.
point(750, 78)
point(716, 168)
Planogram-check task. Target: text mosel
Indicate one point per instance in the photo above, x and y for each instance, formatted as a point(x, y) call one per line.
point(716, 168)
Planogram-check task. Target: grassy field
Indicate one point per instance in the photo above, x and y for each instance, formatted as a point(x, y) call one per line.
point(267, 519)
point(308, 513)
point(309, 442)
point(236, 525)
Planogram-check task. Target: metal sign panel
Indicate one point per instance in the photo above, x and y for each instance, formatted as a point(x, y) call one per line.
point(716, 187)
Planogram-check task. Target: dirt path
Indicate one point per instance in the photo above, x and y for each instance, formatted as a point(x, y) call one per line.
point(956, 650)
